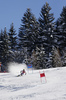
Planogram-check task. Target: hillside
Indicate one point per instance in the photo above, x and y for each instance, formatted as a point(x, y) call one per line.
point(29, 87)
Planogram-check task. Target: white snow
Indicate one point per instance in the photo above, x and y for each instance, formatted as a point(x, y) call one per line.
point(29, 87)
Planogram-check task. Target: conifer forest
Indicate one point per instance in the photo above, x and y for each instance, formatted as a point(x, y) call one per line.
point(40, 42)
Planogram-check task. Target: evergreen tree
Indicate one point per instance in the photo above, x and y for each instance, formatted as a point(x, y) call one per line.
point(63, 20)
point(13, 43)
point(1, 46)
point(46, 31)
point(5, 48)
point(63, 26)
point(60, 34)
point(46, 27)
point(12, 37)
point(34, 59)
point(64, 58)
point(28, 32)
point(56, 58)
point(38, 58)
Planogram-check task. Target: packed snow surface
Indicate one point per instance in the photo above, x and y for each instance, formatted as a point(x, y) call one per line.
point(30, 87)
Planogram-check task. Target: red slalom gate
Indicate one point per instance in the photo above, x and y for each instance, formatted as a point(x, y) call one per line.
point(42, 75)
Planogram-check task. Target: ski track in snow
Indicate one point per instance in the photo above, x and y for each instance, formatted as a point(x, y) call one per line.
point(29, 87)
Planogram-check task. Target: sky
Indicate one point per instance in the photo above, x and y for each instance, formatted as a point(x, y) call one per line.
point(13, 10)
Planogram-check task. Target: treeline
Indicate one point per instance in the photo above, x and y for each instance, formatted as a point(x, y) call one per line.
point(41, 42)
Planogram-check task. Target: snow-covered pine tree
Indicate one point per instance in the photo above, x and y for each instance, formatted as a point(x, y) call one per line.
point(60, 35)
point(46, 21)
point(56, 58)
point(34, 59)
point(1, 46)
point(13, 42)
point(5, 48)
point(28, 32)
point(38, 58)
point(46, 27)
point(64, 58)
point(63, 24)
point(12, 37)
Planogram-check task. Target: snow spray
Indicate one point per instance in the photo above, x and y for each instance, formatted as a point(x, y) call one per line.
point(15, 68)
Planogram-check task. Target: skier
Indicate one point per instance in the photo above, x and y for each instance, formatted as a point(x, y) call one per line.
point(23, 72)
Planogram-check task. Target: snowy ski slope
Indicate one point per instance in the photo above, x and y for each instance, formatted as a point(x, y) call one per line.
point(29, 87)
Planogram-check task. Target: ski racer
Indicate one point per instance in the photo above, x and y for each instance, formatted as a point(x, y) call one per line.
point(23, 72)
